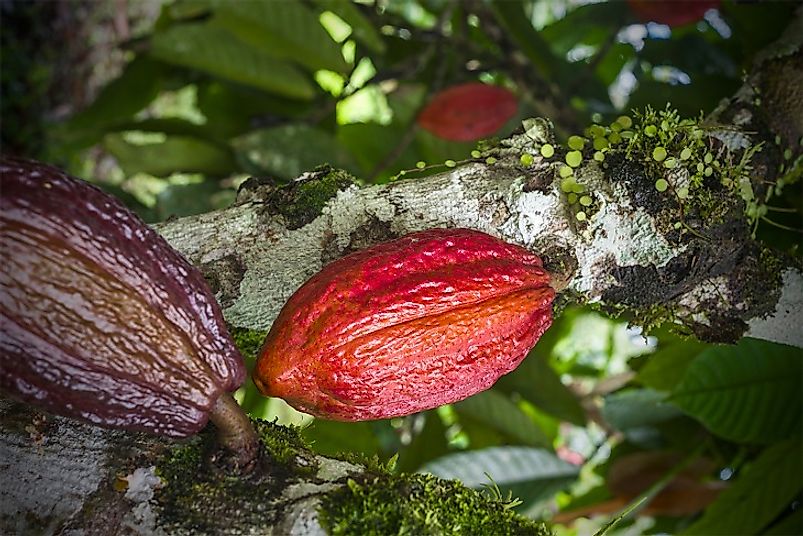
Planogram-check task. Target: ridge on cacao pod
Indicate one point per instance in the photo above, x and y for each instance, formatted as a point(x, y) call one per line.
point(468, 112)
point(100, 318)
point(408, 325)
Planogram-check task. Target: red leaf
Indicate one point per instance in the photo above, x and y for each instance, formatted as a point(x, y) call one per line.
point(674, 12)
point(468, 111)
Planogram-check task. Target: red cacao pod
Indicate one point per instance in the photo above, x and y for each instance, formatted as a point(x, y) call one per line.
point(671, 12)
point(101, 319)
point(405, 326)
point(468, 111)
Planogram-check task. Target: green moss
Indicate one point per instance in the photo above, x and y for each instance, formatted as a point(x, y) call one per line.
point(284, 443)
point(300, 202)
point(428, 506)
point(201, 497)
point(248, 341)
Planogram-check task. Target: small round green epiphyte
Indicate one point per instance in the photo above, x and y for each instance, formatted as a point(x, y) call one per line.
point(599, 156)
point(658, 154)
point(565, 171)
point(600, 143)
point(624, 121)
point(475, 154)
point(526, 159)
point(450, 163)
point(574, 158)
point(580, 216)
point(586, 200)
point(671, 163)
point(650, 131)
point(420, 164)
point(576, 143)
point(547, 150)
point(614, 138)
point(685, 154)
point(490, 160)
point(661, 185)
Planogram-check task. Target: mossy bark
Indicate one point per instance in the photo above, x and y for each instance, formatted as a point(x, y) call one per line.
point(63, 476)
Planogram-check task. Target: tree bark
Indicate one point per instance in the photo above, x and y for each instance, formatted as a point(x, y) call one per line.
point(62, 476)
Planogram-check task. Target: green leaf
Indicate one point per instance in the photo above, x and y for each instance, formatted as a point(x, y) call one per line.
point(519, 28)
point(190, 199)
point(289, 150)
point(215, 51)
point(498, 412)
point(175, 154)
point(427, 445)
point(749, 393)
point(791, 524)
point(363, 29)
point(331, 437)
point(231, 108)
point(286, 30)
point(665, 368)
point(529, 473)
point(536, 381)
point(757, 495)
point(636, 408)
point(124, 96)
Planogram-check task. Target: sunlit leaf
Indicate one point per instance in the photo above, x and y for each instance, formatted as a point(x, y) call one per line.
point(750, 392)
point(216, 51)
point(363, 29)
point(759, 494)
point(287, 30)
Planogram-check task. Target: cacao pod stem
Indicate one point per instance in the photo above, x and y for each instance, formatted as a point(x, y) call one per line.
point(235, 433)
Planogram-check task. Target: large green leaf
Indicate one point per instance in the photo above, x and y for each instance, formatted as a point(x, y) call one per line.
point(231, 108)
point(332, 437)
point(283, 30)
point(536, 381)
point(289, 150)
point(666, 367)
point(176, 154)
point(636, 408)
point(513, 19)
point(750, 392)
point(124, 96)
point(529, 473)
point(498, 412)
point(758, 495)
point(427, 445)
point(214, 50)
